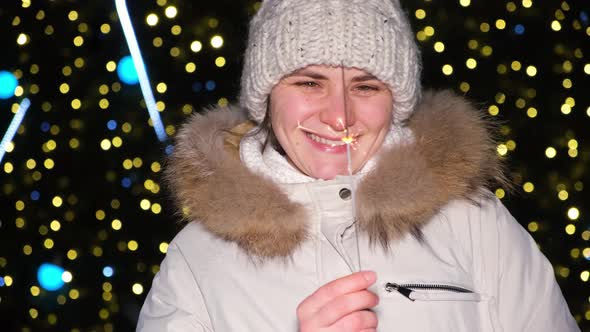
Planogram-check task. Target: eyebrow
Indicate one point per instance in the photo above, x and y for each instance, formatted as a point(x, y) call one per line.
point(308, 73)
point(318, 76)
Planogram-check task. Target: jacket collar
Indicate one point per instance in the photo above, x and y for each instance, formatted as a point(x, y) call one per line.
point(453, 157)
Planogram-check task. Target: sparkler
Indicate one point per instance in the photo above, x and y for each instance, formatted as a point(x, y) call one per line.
point(350, 139)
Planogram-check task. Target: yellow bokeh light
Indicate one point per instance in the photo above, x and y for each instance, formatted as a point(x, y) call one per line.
point(105, 144)
point(447, 69)
point(555, 25)
point(78, 41)
point(137, 162)
point(22, 39)
point(550, 152)
point(216, 41)
point(35, 290)
point(531, 71)
point(155, 167)
point(484, 27)
point(585, 275)
point(500, 24)
point(156, 208)
point(105, 28)
point(502, 149)
point(48, 163)
point(465, 3)
point(439, 47)
point(570, 229)
point(111, 66)
point(100, 215)
point(19, 205)
point(486, 50)
point(48, 243)
point(8, 280)
point(566, 109)
point(73, 294)
point(72, 254)
point(220, 61)
point(137, 289)
point(27, 250)
point(587, 69)
point(516, 65)
point(527, 3)
point(420, 14)
point(73, 15)
point(31, 164)
point(145, 204)
point(57, 201)
point(531, 112)
point(8, 168)
point(572, 144)
point(573, 213)
point(117, 141)
point(67, 276)
point(471, 63)
point(171, 12)
point(563, 195)
point(55, 225)
point(528, 187)
point(533, 226)
point(33, 313)
point(161, 87)
point(116, 224)
point(157, 42)
point(64, 88)
point(500, 193)
point(163, 247)
point(152, 19)
point(429, 31)
point(567, 83)
point(190, 67)
point(103, 103)
point(132, 245)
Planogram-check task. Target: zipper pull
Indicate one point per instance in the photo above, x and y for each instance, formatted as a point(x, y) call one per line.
point(401, 289)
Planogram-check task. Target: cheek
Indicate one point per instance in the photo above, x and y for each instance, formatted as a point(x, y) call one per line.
point(289, 110)
point(376, 116)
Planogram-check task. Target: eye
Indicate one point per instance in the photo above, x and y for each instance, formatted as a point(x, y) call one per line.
point(307, 84)
point(366, 88)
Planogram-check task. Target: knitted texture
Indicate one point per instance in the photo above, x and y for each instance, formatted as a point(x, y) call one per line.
point(372, 35)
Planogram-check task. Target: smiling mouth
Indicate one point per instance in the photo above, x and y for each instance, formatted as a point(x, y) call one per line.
point(325, 141)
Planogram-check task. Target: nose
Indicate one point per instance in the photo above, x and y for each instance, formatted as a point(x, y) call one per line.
point(337, 112)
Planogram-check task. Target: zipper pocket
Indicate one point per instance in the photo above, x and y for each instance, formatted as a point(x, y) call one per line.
point(422, 292)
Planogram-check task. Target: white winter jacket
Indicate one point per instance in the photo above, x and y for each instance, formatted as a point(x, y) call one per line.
point(448, 255)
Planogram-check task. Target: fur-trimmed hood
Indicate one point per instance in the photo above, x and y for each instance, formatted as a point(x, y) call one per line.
point(453, 157)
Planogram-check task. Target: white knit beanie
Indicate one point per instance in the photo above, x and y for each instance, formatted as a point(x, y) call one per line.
point(372, 35)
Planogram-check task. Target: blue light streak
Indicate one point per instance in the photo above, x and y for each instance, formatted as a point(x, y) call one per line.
point(14, 124)
point(144, 82)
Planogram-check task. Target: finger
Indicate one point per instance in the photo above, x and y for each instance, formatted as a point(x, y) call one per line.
point(348, 284)
point(356, 321)
point(345, 305)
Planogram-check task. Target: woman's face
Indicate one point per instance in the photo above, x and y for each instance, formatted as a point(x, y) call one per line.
point(311, 108)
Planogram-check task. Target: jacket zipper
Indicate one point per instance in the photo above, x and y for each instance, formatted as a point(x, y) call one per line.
point(407, 289)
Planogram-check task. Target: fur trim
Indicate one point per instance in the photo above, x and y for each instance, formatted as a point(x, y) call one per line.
point(225, 197)
point(453, 157)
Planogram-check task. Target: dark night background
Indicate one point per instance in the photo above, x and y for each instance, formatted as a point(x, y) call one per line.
point(80, 185)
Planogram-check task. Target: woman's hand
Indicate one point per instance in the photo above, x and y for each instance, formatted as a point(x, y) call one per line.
point(340, 305)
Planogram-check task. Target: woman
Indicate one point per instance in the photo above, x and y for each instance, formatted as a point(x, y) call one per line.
point(279, 229)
